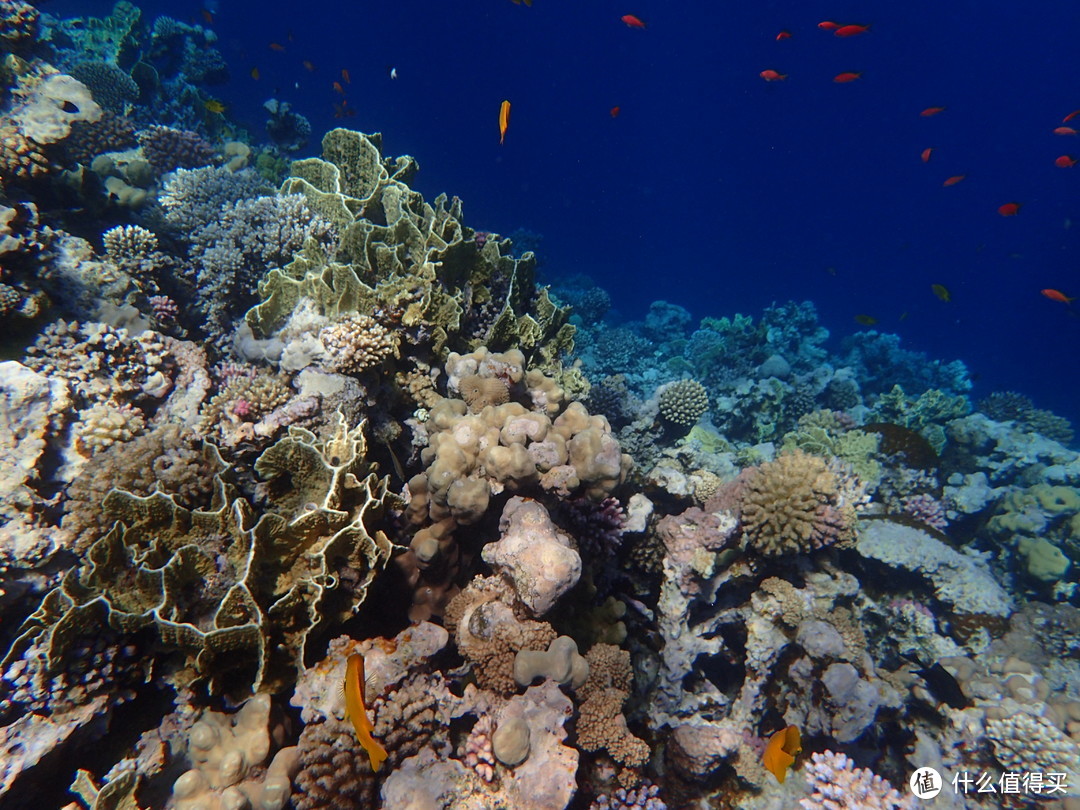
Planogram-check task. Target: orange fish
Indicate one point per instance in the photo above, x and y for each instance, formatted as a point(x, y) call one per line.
point(1070, 116)
point(926, 154)
point(952, 181)
point(338, 88)
point(1009, 209)
point(504, 120)
point(781, 750)
point(931, 111)
point(255, 73)
point(1057, 295)
point(772, 76)
point(1064, 131)
point(850, 30)
point(310, 68)
point(844, 78)
point(357, 710)
point(277, 46)
point(827, 25)
point(208, 18)
point(615, 111)
point(783, 35)
point(1065, 162)
point(345, 76)
point(632, 21)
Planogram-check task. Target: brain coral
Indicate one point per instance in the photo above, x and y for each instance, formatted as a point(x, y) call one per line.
point(795, 504)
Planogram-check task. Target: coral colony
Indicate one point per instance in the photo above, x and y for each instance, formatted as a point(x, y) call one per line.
point(262, 415)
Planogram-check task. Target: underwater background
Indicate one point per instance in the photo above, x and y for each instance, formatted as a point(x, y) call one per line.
point(671, 406)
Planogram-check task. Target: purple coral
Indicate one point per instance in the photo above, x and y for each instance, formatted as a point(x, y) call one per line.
point(926, 509)
point(596, 525)
point(836, 784)
point(167, 149)
point(646, 797)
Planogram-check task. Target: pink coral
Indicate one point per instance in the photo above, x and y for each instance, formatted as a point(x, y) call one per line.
point(926, 509)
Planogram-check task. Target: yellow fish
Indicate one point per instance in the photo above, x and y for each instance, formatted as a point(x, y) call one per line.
point(504, 120)
point(865, 320)
point(781, 750)
point(214, 106)
point(357, 711)
point(941, 292)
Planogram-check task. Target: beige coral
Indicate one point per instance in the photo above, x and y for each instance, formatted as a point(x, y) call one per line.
point(357, 343)
point(794, 504)
point(227, 753)
point(106, 423)
point(20, 158)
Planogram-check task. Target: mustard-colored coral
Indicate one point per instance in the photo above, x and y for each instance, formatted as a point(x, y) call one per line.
point(795, 504)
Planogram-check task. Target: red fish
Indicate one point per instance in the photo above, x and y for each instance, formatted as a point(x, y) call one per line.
point(345, 76)
point(844, 78)
point(1009, 209)
point(1065, 162)
point(310, 68)
point(1070, 116)
point(277, 46)
point(827, 25)
point(772, 76)
point(1057, 295)
point(208, 17)
point(1064, 131)
point(926, 154)
point(783, 35)
point(615, 111)
point(952, 181)
point(850, 30)
point(338, 88)
point(632, 21)
point(931, 111)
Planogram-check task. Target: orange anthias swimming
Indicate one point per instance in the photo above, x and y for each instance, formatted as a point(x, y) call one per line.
point(504, 120)
point(772, 76)
point(781, 750)
point(632, 21)
point(357, 711)
point(1058, 295)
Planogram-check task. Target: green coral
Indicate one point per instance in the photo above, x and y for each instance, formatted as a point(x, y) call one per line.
point(856, 448)
point(409, 259)
point(928, 414)
point(238, 595)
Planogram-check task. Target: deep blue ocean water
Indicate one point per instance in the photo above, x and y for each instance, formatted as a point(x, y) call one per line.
point(712, 188)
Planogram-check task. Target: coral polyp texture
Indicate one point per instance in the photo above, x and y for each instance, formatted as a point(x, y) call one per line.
point(298, 467)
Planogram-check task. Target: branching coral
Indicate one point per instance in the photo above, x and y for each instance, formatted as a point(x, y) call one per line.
point(796, 504)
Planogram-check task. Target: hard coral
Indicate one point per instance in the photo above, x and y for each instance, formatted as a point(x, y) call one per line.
point(169, 149)
point(838, 785)
point(357, 343)
point(795, 504)
point(683, 403)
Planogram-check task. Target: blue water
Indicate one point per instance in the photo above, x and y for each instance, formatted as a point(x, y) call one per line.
point(714, 189)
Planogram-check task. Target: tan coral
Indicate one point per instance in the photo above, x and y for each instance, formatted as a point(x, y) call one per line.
point(227, 753)
point(104, 424)
point(357, 343)
point(794, 504)
point(20, 158)
point(479, 392)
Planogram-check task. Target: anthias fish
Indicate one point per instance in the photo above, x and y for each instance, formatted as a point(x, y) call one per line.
point(357, 711)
